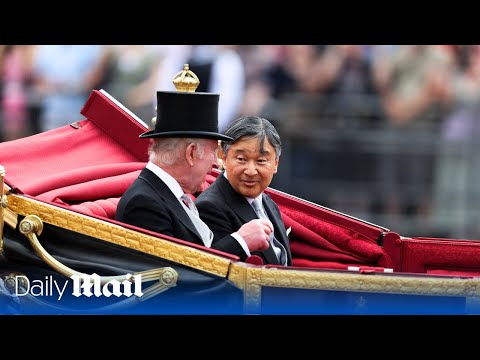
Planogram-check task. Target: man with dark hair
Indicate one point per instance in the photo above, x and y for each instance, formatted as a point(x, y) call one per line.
point(237, 195)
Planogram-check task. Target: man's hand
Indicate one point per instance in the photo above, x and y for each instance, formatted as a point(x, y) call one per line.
point(256, 234)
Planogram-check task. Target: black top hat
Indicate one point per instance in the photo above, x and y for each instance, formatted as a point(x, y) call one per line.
point(186, 114)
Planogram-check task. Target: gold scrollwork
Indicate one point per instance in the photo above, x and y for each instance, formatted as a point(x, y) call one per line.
point(120, 235)
point(32, 225)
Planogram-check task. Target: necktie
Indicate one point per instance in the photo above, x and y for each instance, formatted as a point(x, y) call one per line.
point(276, 245)
point(202, 228)
point(189, 202)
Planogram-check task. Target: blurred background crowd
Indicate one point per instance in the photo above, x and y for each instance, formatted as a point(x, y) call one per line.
point(385, 133)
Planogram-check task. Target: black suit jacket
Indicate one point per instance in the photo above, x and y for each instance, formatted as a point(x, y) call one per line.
point(224, 210)
point(149, 203)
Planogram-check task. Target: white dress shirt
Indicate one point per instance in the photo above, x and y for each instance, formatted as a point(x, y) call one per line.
point(174, 186)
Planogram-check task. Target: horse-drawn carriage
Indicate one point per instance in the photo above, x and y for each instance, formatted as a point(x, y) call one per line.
point(62, 252)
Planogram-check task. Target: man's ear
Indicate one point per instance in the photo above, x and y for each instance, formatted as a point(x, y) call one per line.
point(190, 153)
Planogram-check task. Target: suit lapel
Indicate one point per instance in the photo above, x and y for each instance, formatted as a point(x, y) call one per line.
point(244, 211)
point(236, 201)
point(164, 192)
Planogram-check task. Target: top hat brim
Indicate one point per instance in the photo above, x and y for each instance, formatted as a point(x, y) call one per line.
point(192, 134)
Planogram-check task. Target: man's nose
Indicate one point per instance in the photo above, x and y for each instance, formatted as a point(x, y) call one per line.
point(251, 168)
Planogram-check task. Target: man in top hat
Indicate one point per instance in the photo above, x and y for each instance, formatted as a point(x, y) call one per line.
point(182, 152)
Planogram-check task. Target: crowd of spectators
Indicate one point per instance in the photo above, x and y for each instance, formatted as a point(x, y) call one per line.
point(386, 133)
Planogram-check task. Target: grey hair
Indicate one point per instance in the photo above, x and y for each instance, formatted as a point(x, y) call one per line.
point(168, 150)
point(254, 127)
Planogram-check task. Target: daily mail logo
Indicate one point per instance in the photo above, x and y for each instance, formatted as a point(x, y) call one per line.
point(83, 285)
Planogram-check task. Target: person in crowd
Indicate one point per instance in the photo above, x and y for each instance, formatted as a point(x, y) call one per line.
point(132, 77)
point(62, 78)
point(237, 195)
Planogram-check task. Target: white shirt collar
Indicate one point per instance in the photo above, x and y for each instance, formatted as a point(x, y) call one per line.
point(168, 179)
point(251, 200)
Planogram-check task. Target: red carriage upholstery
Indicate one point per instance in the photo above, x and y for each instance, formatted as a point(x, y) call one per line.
point(434, 256)
point(103, 207)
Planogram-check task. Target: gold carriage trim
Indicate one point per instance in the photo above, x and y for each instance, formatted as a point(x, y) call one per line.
point(103, 230)
point(252, 279)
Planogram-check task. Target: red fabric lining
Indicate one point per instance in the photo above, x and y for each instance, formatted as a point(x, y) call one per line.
point(369, 231)
point(453, 272)
point(333, 238)
point(69, 156)
point(103, 207)
point(254, 259)
point(419, 257)
point(99, 188)
point(301, 230)
point(107, 116)
point(305, 250)
point(299, 262)
point(426, 255)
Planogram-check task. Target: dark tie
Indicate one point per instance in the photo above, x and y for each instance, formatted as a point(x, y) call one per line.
point(276, 245)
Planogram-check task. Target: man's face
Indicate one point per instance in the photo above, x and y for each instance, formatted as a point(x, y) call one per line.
point(249, 171)
point(204, 164)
